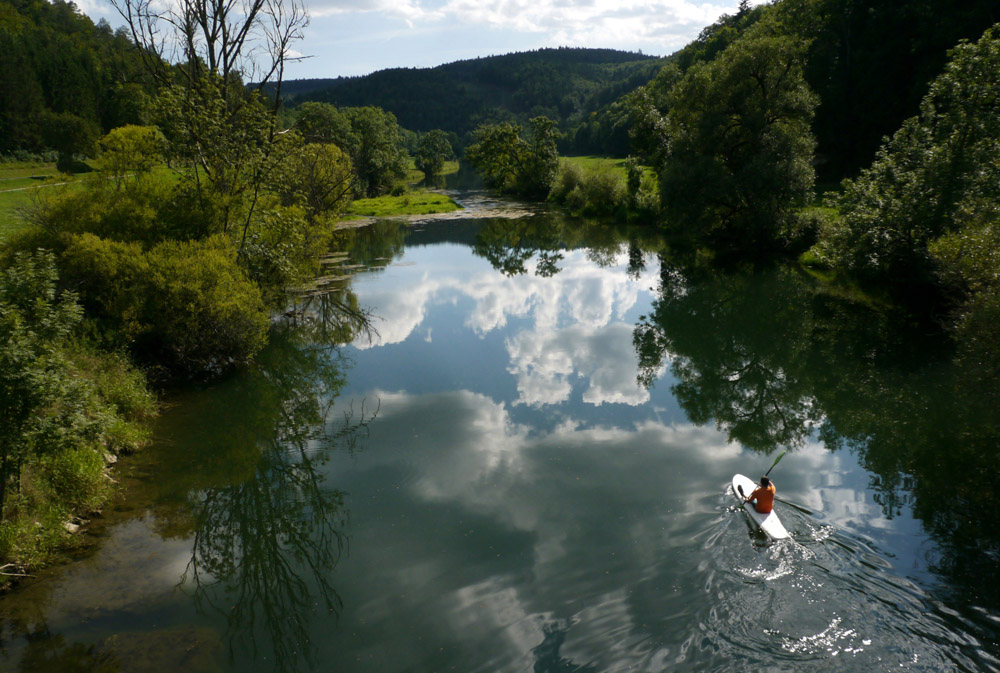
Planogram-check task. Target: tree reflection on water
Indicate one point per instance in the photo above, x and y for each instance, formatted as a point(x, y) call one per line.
point(268, 535)
point(776, 359)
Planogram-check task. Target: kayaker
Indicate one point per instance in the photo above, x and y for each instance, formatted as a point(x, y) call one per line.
point(763, 496)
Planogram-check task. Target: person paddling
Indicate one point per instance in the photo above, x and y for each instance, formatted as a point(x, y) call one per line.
point(763, 496)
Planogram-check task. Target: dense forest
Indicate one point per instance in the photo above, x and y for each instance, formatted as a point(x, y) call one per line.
point(65, 81)
point(566, 85)
point(869, 62)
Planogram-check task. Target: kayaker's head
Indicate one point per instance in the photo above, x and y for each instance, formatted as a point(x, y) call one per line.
point(765, 482)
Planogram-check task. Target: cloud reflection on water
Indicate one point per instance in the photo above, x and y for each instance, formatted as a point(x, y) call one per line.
point(558, 329)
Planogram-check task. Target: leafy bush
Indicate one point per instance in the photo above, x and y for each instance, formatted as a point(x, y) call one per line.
point(62, 407)
point(186, 308)
point(131, 152)
point(597, 189)
point(124, 215)
point(569, 177)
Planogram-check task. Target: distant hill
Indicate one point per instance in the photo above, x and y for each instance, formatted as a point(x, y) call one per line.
point(566, 84)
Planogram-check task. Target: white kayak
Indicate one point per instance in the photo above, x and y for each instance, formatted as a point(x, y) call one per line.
point(769, 523)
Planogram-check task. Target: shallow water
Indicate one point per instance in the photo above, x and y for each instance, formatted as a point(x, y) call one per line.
point(526, 469)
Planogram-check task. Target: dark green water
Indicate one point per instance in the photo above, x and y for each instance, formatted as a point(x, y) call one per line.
point(525, 469)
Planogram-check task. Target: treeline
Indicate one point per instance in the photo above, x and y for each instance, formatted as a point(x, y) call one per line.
point(567, 85)
point(735, 132)
point(65, 81)
point(870, 62)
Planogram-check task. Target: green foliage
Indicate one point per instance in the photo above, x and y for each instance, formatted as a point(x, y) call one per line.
point(62, 78)
point(322, 123)
point(937, 175)
point(207, 316)
point(224, 140)
point(317, 176)
point(283, 251)
point(62, 407)
point(35, 322)
point(376, 149)
point(740, 153)
point(69, 134)
point(125, 211)
point(591, 189)
point(511, 163)
point(433, 149)
point(131, 152)
point(370, 136)
point(186, 308)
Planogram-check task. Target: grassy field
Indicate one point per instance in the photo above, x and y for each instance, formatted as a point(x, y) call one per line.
point(19, 183)
point(416, 203)
point(616, 164)
point(596, 162)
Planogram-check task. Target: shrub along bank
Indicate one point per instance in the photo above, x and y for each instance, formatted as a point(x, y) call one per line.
point(66, 410)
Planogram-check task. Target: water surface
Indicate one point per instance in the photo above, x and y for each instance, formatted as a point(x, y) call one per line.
point(524, 467)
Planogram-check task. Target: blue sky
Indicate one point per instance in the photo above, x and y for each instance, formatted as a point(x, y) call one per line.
point(356, 37)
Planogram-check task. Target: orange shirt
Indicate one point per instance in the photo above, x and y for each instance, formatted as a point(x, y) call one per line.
point(764, 497)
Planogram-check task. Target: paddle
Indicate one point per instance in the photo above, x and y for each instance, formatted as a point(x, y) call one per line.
point(780, 456)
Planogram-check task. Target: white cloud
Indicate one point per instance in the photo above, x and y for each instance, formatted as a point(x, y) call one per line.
point(658, 25)
point(408, 10)
point(401, 307)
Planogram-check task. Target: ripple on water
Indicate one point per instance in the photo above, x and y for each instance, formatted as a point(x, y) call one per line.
point(824, 600)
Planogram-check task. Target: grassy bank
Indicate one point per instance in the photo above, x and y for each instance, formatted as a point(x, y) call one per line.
point(413, 203)
point(68, 411)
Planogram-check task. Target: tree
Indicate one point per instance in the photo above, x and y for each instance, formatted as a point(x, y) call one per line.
point(204, 108)
point(248, 40)
point(510, 163)
point(131, 152)
point(938, 175)
point(68, 134)
point(322, 123)
point(739, 159)
point(376, 149)
point(317, 176)
point(433, 150)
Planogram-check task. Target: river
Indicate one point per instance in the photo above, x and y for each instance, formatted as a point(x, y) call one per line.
point(524, 466)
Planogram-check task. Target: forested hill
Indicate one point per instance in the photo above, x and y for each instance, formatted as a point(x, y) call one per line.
point(869, 61)
point(564, 84)
point(63, 80)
